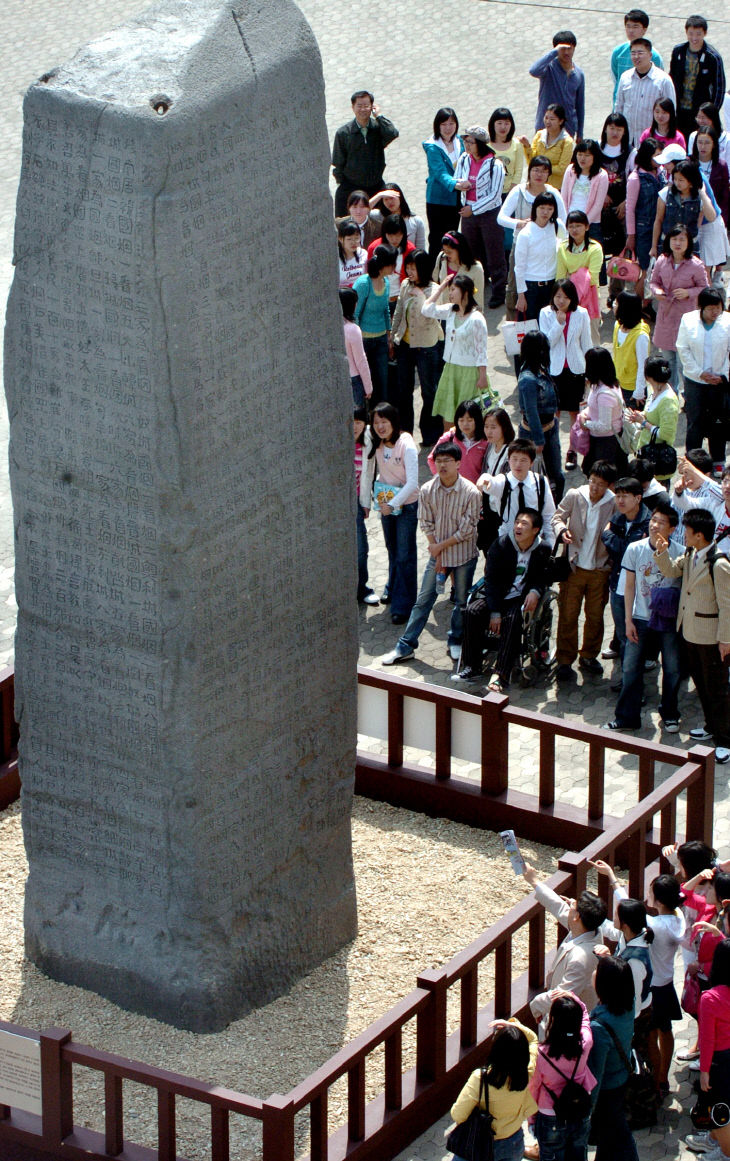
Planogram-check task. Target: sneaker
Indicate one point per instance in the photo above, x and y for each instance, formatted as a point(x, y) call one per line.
point(466, 674)
point(565, 673)
point(722, 755)
point(688, 1054)
point(455, 652)
point(370, 599)
point(701, 734)
point(715, 1154)
point(396, 655)
point(610, 653)
point(671, 726)
point(614, 725)
point(699, 1142)
point(591, 665)
point(571, 461)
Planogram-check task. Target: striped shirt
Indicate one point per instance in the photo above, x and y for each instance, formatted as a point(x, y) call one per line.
point(636, 96)
point(445, 512)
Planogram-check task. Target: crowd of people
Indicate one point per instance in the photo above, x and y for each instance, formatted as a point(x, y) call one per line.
point(536, 226)
point(599, 1064)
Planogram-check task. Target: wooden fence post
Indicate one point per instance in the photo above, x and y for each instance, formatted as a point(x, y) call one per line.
point(56, 1086)
point(431, 1027)
point(701, 796)
point(278, 1134)
point(495, 744)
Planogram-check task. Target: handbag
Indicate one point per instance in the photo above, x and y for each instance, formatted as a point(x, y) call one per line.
point(625, 268)
point(560, 568)
point(660, 456)
point(580, 438)
point(473, 1139)
point(514, 332)
point(691, 993)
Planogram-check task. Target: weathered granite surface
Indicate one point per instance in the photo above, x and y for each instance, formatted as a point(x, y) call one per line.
point(181, 470)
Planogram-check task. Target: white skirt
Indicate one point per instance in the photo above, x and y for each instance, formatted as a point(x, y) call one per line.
point(714, 249)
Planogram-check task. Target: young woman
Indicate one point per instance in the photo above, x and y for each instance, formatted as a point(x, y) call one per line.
point(567, 328)
point(642, 194)
point(372, 315)
point(539, 407)
point(442, 151)
point(362, 385)
point(661, 413)
point(416, 341)
point(392, 200)
point(456, 257)
point(364, 472)
point(581, 253)
point(508, 148)
point(552, 142)
point(715, 1048)
point(585, 184)
point(683, 202)
point(468, 434)
point(480, 179)
point(394, 235)
point(536, 256)
point(509, 1066)
point(516, 210)
point(563, 1057)
point(676, 281)
point(708, 117)
point(663, 127)
point(603, 414)
point(612, 1028)
point(465, 346)
point(396, 461)
point(499, 432)
point(615, 151)
point(353, 259)
point(630, 345)
point(706, 152)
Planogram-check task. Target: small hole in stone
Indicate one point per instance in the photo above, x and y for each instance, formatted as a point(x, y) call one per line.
point(67, 477)
point(161, 104)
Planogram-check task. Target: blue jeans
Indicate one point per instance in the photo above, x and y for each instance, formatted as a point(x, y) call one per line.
point(551, 457)
point(461, 577)
point(376, 353)
point(673, 360)
point(618, 611)
point(426, 360)
point(358, 391)
point(508, 1149)
point(362, 555)
point(400, 540)
point(561, 1140)
point(628, 706)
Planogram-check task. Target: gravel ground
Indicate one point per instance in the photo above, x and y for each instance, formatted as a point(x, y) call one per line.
point(426, 888)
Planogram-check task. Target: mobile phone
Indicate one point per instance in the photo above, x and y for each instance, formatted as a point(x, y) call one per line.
point(511, 848)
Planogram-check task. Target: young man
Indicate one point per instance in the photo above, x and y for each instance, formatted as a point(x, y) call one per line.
point(578, 522)
point(449, 508)
point(691, 488)
point(642, 471)
point(574, 963)
point(520, 488)
point(640, 87)
point(516, 575)
point(358, 153)
point(711, 495)
point(697, 73)
point(629, 524)
point(704, 620)
point(650, 616)
point(561, 83)
point(636, 23)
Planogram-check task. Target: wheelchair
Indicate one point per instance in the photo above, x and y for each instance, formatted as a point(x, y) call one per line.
point(536, 659)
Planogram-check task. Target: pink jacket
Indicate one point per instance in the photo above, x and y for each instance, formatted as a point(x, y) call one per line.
point(470, 464)
point(690, 275)
point(596, 195)
point(604, 411)
point(547, 1077)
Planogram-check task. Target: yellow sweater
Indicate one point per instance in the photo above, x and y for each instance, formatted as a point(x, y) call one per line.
point(509, 1109)
point(569, 260)
point(559, 154)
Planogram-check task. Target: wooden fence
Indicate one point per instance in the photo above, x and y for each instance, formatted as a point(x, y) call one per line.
point(411, 1097)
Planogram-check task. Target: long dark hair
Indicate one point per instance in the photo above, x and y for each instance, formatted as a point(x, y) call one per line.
point(392, 414)
point(535, 352)
point(713, 115)
point(509, 1059)
point(361, 414)
point(405, 210)
point(394, 224)
point(615, 985)
point(472, 408)
point(423, 264)
point(445, 113)
point(563, 1036)
point(632, 913)
point(578, 216)
point(462, 247)
point(715, 144)
point(645, 154)
point(382, 255)
point(545, 199)
point(501, 114)
point(667, 104)
point(720, 970)
point(588, 145)
point(502, 418)
point(600, 367)
point(690, 171)
point(620, 120)
point(465, 284)
point(346, 228)
point(569, 290)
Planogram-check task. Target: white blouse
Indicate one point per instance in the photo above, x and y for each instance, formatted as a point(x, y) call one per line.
point(465, 341)
point(536, 249)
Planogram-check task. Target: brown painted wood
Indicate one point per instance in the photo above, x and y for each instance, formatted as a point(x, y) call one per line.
point(113, 1114)
point(166, 1131)
point(356, 1101)
point(394, 1070)
point(56, 1086)
point(318, 1127)
point(220, 1134)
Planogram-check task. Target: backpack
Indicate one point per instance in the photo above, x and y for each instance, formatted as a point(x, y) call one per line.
point(491, 521)
point(574, 1102)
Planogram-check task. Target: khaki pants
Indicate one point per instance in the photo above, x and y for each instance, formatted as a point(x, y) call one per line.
point(583, 585)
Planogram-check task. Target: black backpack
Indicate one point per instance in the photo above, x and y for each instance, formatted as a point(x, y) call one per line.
point(574, 1102)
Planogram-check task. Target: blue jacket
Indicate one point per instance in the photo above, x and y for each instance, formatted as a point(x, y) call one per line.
point(441, 180)
point(538, 402)
point(605, 1060)
point(560, 88)
point(617, 541)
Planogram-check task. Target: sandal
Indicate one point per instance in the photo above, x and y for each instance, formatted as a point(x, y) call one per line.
point(495, 685)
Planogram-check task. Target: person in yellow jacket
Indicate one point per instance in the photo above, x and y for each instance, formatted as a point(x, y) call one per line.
point(553, 142)
point(580, 252)
point(630, 346)
point(511, 1063)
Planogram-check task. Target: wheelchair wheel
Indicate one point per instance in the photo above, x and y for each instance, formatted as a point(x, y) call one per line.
point(539, 652)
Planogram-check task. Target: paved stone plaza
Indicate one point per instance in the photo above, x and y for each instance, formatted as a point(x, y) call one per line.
point(415, 56)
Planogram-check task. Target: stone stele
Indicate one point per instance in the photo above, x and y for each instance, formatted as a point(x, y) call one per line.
point(181, 469)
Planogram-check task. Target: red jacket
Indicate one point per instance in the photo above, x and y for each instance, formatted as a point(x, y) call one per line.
point(408, 250)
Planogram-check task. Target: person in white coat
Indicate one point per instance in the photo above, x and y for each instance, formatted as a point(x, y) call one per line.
point(703, 347)
point(567, 327)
